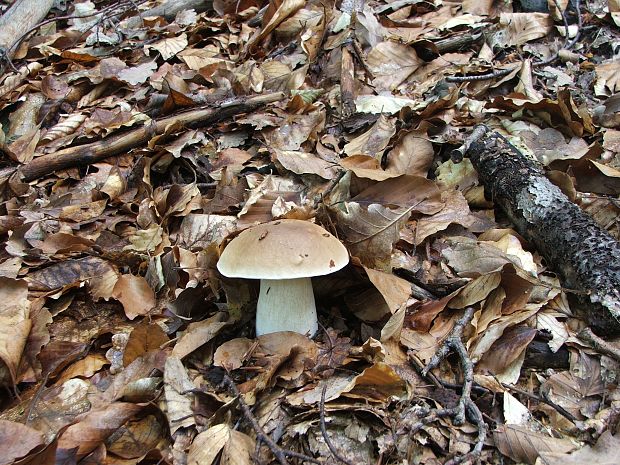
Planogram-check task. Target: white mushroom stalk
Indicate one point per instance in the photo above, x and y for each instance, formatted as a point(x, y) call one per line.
point(286, 305)
point(284, 255)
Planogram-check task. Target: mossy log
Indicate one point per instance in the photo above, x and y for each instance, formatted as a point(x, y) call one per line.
point(586, 257)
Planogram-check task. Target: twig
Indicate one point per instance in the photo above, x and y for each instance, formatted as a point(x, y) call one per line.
point(481, 77)
point(504, 72)
point(330, 187)
point(562, 411)
point(457, 154)
point(328, 441)
point(261, 436)
point(359, 54)
point(36, 398)
point(599, 344)
point(465, 404)
point(82, 155)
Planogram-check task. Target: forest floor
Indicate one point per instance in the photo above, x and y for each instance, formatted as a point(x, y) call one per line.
point(135, 146)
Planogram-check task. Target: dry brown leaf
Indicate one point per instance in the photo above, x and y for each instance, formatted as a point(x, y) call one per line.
point(198, 231)
point(178, 394)
point(300, 351)
point(519, 28)
point(364, 166)
point(373, 141)
point(392, 63)
point(294, 130)
point(470, 258)
point(455, 210)
point(394, 290)
point(577, 392)
point(15, 325)
point(198, 334)
point(371, 221)
point(136, 438)
point(275, 15)
point(146, 240)
point(604, 452)
point(413, 155)
point(508, 348)
point(18, 441)
point(137, 74)
point(96, 426)
point(231, 354)
point(237, 448)
point(135, 294)
point(65, 243)
point(607, 80)
point(305, 163)
point(169, 47)
point(259, 206)
point(136, 372)
point(85, 367)
point(144, 338)
point(524, 445)
point(481, 344)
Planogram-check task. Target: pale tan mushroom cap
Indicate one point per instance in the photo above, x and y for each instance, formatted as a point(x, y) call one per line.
point(283, 249)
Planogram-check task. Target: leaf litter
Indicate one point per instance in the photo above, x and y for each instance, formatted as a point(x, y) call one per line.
point(138, 139)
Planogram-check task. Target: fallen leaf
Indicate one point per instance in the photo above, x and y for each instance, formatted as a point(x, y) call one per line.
point(135, 295)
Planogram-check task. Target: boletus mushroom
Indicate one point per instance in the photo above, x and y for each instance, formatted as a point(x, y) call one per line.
point(284, 255)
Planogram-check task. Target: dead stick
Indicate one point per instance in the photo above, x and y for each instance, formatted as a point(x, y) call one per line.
point(261, 436)
point(599, 344)
point(328, 441)
point(87, 154)
point(586, 256)
point(22, 15)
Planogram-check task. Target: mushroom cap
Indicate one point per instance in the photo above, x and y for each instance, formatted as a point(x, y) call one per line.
point(283, 249)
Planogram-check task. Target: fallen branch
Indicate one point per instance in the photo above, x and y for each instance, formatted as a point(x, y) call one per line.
point(22, 15)
point(599, 344)
point(585, 255)
point(87, 154)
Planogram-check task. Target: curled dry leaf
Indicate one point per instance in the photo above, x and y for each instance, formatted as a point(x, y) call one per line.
point(231, 354)
point(198, 334)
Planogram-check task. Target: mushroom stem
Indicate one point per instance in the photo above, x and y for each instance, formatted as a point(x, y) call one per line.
point(286, 305)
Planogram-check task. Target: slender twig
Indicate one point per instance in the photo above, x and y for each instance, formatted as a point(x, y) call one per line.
point(504, 72)
point(36, 398)
point(279, 453)
point(542, 399)
point(328, 441)
point(328, 189)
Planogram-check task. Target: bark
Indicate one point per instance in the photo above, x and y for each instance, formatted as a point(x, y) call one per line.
point(86, 154)
point(19, 18)
point(586, 256)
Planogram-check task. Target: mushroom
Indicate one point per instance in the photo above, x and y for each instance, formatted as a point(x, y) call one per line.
point(284, 254)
